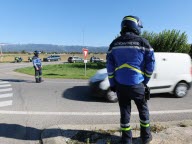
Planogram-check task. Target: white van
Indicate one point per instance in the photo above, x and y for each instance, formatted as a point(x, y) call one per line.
point(172, 74)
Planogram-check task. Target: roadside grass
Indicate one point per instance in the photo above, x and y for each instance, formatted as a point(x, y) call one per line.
point(66, 70)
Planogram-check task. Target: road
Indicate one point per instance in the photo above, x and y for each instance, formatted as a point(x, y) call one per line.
point(26, 107)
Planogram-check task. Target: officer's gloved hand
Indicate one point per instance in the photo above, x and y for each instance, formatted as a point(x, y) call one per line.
point(113, 89)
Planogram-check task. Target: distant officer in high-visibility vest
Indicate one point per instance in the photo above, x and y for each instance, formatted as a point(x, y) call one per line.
point(37, 66)
point(130, 64)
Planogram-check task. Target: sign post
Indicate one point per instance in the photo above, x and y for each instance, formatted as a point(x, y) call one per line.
point(85, 52)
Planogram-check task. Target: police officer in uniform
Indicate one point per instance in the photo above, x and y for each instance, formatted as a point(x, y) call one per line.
point(130, 64)
point(37, 66)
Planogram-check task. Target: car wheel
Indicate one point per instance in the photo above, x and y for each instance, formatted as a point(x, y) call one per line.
point(49, 60)
point(111, 96)
point(180, 90)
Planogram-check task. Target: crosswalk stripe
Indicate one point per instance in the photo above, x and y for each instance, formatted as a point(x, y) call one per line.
point(5, 103)
point(7, 89)
point(3, 88)
point(6, 95)
point(4, 82)
point(7, 85)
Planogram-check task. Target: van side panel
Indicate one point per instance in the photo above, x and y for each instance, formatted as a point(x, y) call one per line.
point(170, 69)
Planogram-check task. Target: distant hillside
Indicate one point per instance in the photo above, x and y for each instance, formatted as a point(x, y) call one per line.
point(49, 48)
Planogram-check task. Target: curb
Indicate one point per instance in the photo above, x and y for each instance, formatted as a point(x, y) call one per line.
point(62, 134)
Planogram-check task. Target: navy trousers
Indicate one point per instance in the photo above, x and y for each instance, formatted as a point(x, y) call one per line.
point(136, 93)
point(38, 75)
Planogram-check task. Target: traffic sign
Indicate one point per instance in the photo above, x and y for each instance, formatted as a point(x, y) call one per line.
point(85, 52)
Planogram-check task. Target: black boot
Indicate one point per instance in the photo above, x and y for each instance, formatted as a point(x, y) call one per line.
point(40, 80)
point(145, 134)
point(126, 137)
point(37, 80)
point(147, 140)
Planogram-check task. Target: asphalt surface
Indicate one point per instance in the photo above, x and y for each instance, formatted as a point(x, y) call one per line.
point(28, 108)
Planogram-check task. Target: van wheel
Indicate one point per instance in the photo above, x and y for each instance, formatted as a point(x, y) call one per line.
point(180, 90)
point(111, 96)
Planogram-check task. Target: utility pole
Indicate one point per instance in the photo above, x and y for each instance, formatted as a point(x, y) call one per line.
point(85, 52)
point(83, 32)
point(1, 54)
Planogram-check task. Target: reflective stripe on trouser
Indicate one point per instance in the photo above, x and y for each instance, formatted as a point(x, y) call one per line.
point(125, 95)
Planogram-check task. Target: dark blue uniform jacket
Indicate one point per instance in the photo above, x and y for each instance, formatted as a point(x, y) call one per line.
point(130, 60)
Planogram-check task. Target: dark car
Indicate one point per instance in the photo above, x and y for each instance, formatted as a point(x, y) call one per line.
point(95, 59)
point(74, 59)
point(52, 58)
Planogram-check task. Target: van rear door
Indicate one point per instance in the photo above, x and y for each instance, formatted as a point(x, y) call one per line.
point(162, 77)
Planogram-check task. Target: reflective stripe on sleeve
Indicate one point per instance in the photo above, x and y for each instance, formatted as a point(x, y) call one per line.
point(111, 73)
point(147, 75)
point(111, 76)
point(146, 71)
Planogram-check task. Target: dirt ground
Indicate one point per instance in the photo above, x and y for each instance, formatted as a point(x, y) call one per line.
point(64, 57)
point(171, 132)
point(163, 133)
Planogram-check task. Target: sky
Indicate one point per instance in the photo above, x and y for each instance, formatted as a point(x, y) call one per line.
point(87, 22)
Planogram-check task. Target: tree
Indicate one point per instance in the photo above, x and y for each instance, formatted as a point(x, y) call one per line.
point(23, 52)
point(190, 52)
point(168, 41)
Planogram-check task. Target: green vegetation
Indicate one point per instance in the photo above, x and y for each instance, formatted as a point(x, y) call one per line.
point(66, 71)
point(168, 41)
point(165, 41)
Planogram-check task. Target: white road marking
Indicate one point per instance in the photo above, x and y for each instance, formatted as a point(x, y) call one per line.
point(5, 103)
point(6, 95)
point(88, 113)
point(7, 85)
point(67, 82)
point(4, 82)
point(7, 89)
point(3, 88)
